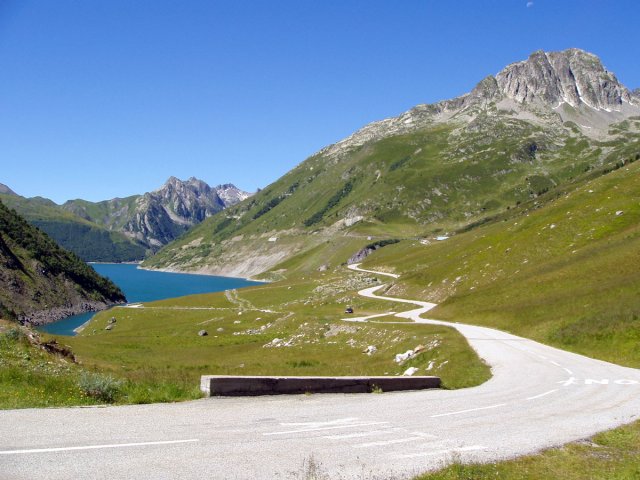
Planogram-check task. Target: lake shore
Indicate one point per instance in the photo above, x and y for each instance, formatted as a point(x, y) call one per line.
point(197, 272)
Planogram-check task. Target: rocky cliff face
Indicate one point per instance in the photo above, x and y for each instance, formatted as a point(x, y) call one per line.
point(163, 215)
point(156, 218)
point(572, 76)
point(230, 194)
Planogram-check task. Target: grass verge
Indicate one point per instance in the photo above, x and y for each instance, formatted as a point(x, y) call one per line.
point(611, 455)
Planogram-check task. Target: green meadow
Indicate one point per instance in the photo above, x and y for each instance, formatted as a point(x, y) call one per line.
point(285, 328)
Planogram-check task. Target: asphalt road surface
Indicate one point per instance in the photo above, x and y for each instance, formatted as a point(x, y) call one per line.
point(538, 397)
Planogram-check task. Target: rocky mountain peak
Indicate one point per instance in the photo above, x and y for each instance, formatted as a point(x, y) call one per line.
point(6, 190)
point(175, 186)
point(230, 194)
point(164, 214)
point(569, 85)
point(572, 76)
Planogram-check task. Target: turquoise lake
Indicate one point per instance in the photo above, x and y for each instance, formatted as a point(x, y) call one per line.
point(145, 286)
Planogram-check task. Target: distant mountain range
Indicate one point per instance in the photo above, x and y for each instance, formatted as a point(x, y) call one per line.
point(40, 282)
point(550, 120)
point(125, 229)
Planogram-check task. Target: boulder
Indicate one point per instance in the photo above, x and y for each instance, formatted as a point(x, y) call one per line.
point(401, 357)
point(370, 350)
point(410, 371)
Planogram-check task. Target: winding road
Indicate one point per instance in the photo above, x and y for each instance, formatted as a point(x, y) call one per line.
point(538, 397)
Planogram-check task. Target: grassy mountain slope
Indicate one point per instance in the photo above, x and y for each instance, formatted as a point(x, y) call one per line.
point(564, 269)
point(42, 282)
point(104, 213)
point(437, 179)
point(535, 126)
point(83, 237)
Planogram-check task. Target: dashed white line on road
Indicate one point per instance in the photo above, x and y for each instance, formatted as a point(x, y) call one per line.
point(471, 448)
point(467, 411)
point(383, 443)
point(371, 433)
point(543, 394)
point(334, 427)
point(95, 447)
point(555, 363)
point(568, 371)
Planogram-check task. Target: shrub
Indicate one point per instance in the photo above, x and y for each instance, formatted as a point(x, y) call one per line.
point(14, 335)
point(101, 387)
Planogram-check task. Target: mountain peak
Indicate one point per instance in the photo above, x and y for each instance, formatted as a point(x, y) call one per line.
point(571, 76)
point(6, 190)
point(192, 181)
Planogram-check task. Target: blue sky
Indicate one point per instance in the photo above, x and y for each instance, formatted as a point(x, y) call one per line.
point(100, 99)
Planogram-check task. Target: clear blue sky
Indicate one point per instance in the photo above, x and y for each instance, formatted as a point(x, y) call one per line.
point(107, 98)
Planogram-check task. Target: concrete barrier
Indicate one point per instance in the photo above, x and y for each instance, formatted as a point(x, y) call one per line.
point(230, 385)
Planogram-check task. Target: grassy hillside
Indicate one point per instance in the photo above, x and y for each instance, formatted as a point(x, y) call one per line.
point(436, 179)
point(76, 234)
point(564, 270)
point(103, 213)
point(41, 281)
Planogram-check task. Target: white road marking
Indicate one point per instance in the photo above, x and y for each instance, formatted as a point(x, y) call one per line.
point(371, 433)
point(95, 447)
point(568, 371)
point(472, 448)
point(543, 394)
point(569, 381)
point(467, 411)
point(592, 381)
point(334, 427)
point(339, 421)
point(383, 443)
point(555, 363)
point(423, 435)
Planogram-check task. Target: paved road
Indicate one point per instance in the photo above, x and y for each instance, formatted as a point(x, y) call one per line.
point(538, 397)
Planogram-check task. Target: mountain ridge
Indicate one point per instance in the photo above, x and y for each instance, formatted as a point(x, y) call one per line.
point(126, 229)
point(525, 82)
point(6, 190)
point(156, 218)
point(433, 168)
